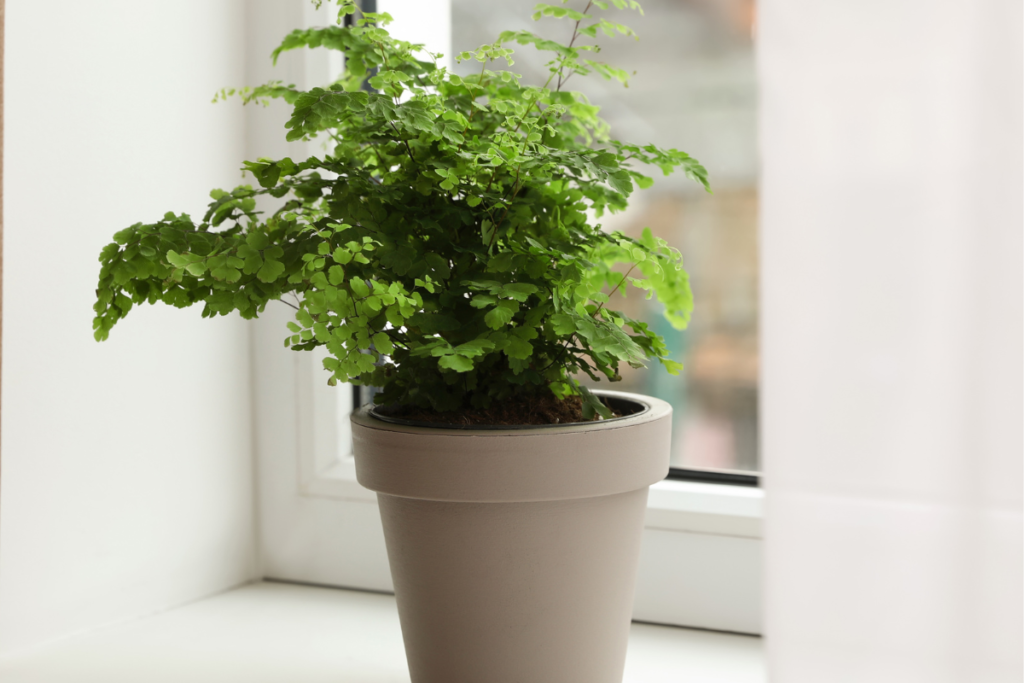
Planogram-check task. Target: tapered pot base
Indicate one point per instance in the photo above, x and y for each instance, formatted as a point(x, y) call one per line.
point(510, 592)
point(514, 555)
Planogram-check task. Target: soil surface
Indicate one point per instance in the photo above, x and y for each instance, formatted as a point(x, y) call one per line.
point(528, 410)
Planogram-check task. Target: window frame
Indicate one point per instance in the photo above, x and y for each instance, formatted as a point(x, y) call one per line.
point(699, 566)
point(700, 562)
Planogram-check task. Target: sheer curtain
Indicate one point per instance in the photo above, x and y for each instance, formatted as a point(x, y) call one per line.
point(892, 339)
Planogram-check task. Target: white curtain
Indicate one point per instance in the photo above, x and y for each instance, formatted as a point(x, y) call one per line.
point(892, 339)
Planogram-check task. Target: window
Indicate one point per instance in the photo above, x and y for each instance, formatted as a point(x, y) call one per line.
point(695, 90)
point(700, 564)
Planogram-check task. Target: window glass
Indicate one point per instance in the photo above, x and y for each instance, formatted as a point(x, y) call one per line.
point(694, 89)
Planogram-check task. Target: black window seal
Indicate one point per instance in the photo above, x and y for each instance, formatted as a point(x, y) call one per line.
point(729, 477)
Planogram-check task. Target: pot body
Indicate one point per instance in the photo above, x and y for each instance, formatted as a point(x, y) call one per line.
point(514, 553)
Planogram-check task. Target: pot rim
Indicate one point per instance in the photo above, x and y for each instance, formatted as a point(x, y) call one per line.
point(622, 399)
point(559, 462)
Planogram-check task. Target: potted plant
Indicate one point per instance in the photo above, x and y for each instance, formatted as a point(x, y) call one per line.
point(445, 249)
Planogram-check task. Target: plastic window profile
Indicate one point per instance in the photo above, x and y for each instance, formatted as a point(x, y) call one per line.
point(724, 503)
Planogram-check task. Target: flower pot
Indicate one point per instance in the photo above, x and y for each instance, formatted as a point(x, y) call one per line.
point(514, 551)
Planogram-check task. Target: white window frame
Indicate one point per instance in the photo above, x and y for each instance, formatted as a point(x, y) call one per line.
point(701, 556)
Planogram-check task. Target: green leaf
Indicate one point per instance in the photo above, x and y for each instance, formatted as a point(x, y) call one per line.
point(123, 236)
point(226, 273)
point(270, 271)
point(520, 291)
point(257, 240)
point(456, 363)
point(483, 300)
point(359, 287)
point(498, 317)
point(673, 367)
point(438, 264)
point(518, 348)
point(592, 405)
point(563, 324)
point(486, 231)
point(501, 263)
point(492, 286)
point(382, 343)
point(476, 347)
point(394, 315)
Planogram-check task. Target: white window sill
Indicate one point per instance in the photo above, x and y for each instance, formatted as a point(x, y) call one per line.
point(720, 509)
point(278, 633)
point(695, 507)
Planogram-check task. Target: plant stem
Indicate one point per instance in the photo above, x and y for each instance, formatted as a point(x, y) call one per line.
point(561, 68)
point(575, 34)
point(470, 119)
point(384, 57)
point(601, 305)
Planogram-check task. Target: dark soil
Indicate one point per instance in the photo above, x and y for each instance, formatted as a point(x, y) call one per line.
point(526, 410)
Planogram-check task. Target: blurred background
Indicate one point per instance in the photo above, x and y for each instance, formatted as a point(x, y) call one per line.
point(694, 89)
point(878, 299)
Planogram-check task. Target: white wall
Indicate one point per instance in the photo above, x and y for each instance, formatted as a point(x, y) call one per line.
point(891, 338)
point(126, 481)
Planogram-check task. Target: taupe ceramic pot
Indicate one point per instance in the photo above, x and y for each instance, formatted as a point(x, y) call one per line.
point(514, 552)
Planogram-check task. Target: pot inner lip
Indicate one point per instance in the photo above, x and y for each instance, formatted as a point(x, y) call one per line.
point(630, 408)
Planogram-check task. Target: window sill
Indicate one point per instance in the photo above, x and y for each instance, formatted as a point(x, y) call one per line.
point(673, 505)
point(273, 632)
point(696, 507)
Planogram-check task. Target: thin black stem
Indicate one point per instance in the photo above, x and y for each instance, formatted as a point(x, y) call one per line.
point(404, 141)
point(575, 34)
point(601, 305)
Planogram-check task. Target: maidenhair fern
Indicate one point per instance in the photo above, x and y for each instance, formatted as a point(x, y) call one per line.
point(445, 248)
